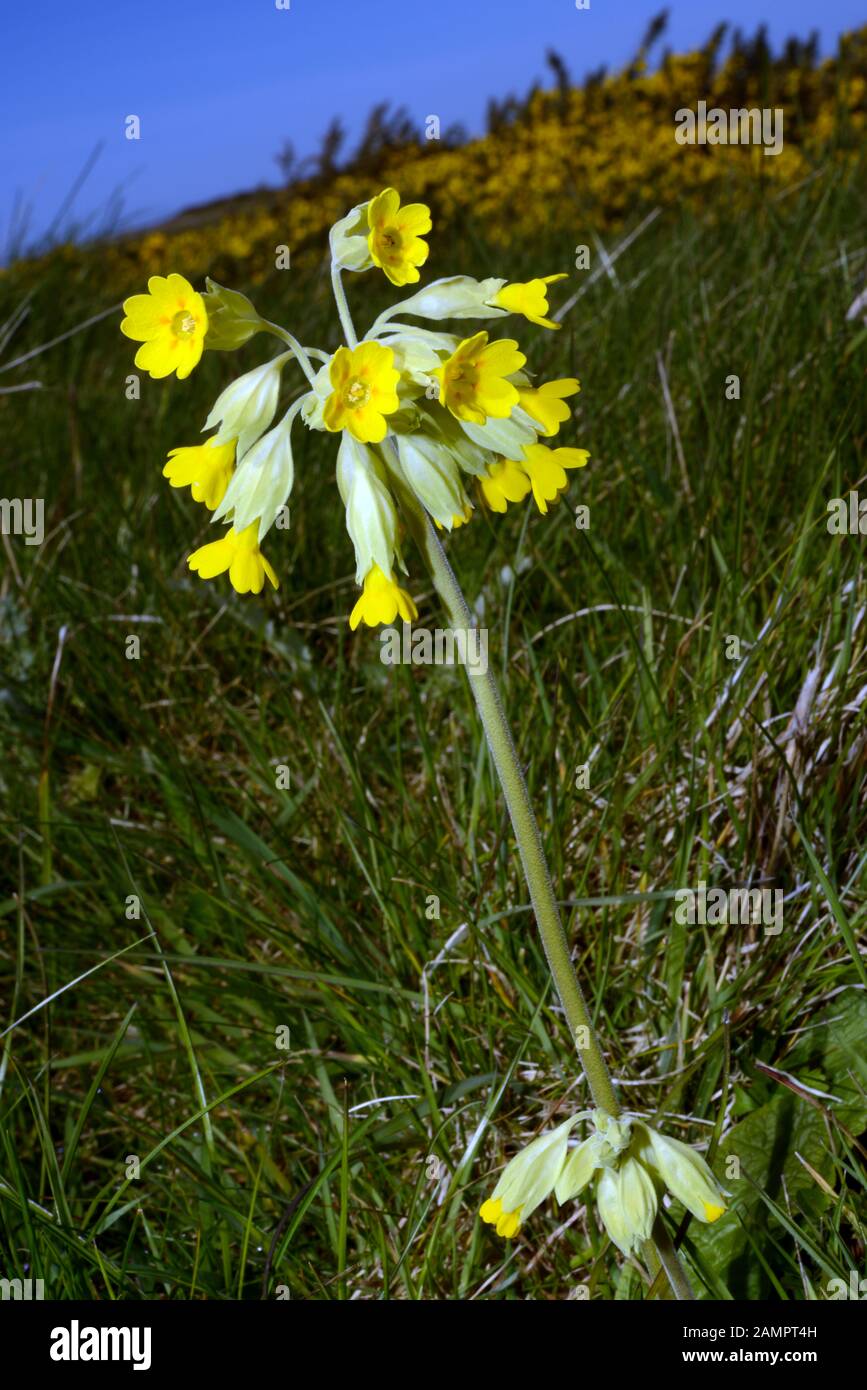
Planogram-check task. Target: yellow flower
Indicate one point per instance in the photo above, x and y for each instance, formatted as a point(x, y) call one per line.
point(546, 403)
point(171, 322)
point(530, 299)
point(381, 601)
point(528, 1179)
point(472, 382)
point(395, 236)
point(545, 468)
point(506, 1223)
point(240, 555)
point(505, 482)
point(204, 468)
point(686, 1175)
point(364, 382)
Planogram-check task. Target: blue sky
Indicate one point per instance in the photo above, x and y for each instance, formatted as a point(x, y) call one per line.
point(219, 85)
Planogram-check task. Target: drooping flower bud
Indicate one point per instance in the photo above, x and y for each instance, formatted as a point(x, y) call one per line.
point(371, 516)
point(685, 1174)
point(529, 1178)
point(627, 1203)
point(433, 476)
point(246, 408)
point(348, 240)
point(263, 482)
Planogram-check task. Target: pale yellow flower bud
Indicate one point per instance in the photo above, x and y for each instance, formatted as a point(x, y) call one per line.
point(348, 240)
point(433, 476)
point(685, 1174)
point(263, 482)
point(456, 297)
point(246, 408)
point(626, 1198)
point(529, 1178)
point(371, 516)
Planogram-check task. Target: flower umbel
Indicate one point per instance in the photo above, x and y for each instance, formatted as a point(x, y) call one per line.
point(171, 322)
point(419, 411)
point(633, 1162)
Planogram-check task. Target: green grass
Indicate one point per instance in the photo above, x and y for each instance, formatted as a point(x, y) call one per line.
point(264, 1167)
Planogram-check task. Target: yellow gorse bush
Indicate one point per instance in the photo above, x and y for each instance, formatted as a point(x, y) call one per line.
point(446, 417)
point(596, 153)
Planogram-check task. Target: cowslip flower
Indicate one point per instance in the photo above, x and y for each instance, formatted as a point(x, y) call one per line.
point(527, 1180)
point(462, 297)
point(434, 477)
point(546, 469)
point(204, 468)
point(685, 1174)
point(371, 513)
point(473, 381)
point(504, 482)
point(381, 601)
point(247, 406)
point(364, 382)
point(634, 1162)
point(529, 299)
point(546, 404)
point(262, 484)
point(394, 241)
point(626, 1201)
point(171, 322)
point(240, 555)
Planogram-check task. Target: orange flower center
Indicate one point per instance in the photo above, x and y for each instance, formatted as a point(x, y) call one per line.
point(462, 380)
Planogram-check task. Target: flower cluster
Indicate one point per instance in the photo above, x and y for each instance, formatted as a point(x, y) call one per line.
point(635, 1165)
point(455, 420)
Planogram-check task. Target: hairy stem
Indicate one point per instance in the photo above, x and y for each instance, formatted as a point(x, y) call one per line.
point(343, 307)
point(299, 352)
point(509, 771)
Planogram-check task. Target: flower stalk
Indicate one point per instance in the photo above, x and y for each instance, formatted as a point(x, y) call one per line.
point(507, 764)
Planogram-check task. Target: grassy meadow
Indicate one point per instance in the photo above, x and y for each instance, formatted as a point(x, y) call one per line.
point(318, 1015)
